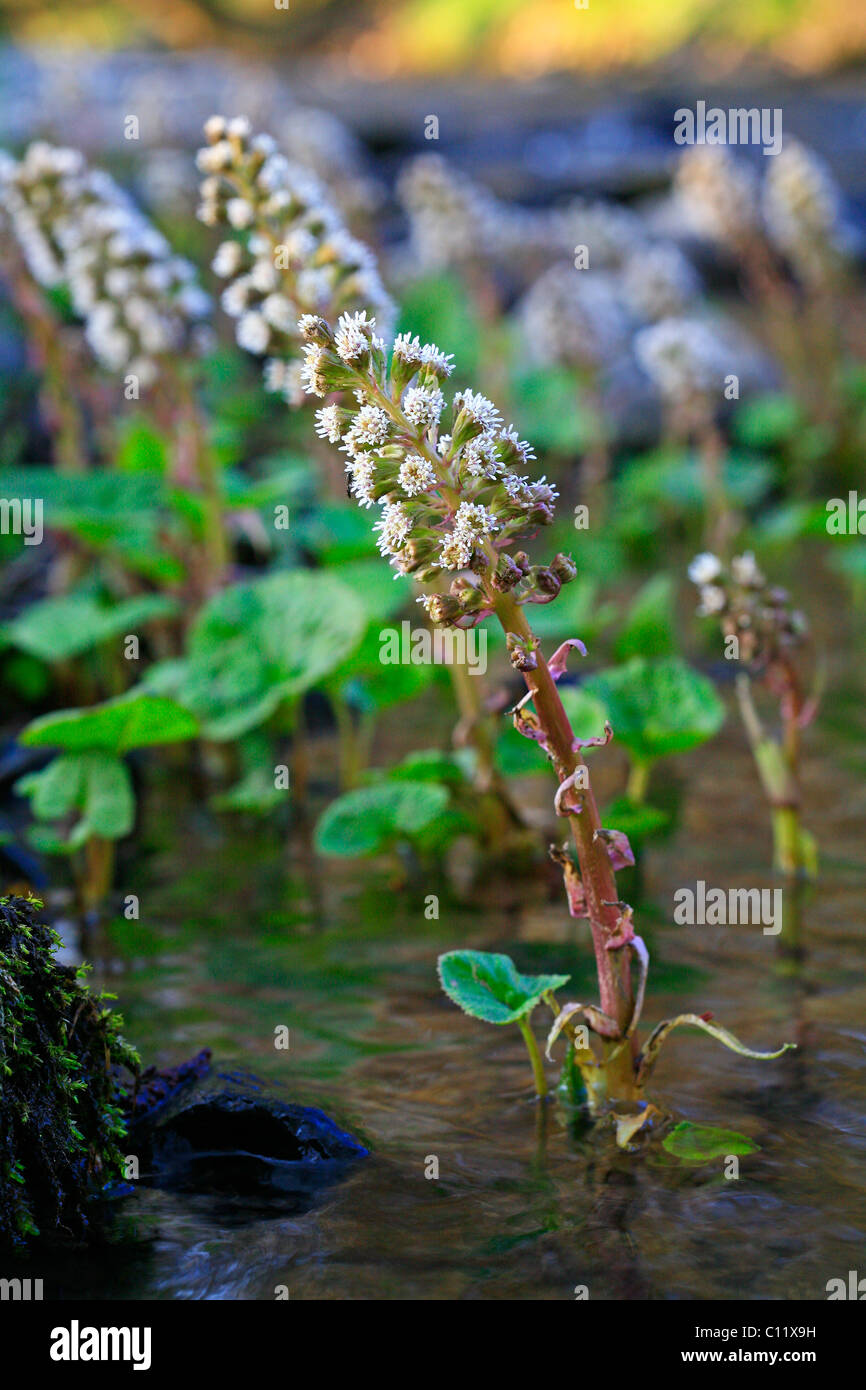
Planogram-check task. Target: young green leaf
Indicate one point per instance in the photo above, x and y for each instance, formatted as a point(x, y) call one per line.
point(699, 1143)
point(429, 765)
point(96, 784)
point(648, 629)
point(487, 985)
point(57, 629)
point(135, 720)
point(586, 712)
point(657, 707)
point(256, 645)
point(256, 792)
point(369, 819)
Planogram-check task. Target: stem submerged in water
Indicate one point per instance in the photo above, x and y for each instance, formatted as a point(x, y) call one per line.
point(534, 1057)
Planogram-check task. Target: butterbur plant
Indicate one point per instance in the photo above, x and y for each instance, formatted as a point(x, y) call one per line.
point(453, 505)
point(767, 636)
point(145, 317)
point(290, 251)
point(453, 501)
point(688, 360)
point(78, 229)
point(786, 236)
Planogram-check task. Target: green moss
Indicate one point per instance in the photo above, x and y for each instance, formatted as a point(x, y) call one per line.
point(61, 1059)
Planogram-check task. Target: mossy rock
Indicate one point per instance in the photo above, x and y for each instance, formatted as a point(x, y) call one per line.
point(62, 1059)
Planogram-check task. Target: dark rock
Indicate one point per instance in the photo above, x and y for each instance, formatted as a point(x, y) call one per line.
point(202, 1131)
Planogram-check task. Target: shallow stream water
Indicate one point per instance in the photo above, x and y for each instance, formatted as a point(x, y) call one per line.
point(238, 937)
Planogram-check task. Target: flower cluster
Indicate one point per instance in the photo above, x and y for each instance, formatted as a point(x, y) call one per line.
point(448, 479)
point(322, 143)
point(718, 195)
point(455, 221)
point(796, 208)
point(686, 360)
point(748, 608)
point(75, 227)
point(575, 318)
point(801, 209)
point(292, 253)
point(658, 282)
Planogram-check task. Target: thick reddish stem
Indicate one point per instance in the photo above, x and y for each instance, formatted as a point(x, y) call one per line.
point(596, 872)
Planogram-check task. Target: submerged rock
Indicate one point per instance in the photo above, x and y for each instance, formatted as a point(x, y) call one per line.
point(225, 1131)
point(75, 1106)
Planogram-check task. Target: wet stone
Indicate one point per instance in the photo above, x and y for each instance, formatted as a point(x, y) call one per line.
point(226, 1131)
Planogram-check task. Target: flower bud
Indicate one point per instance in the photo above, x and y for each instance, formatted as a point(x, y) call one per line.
point(416, 553)
point(563, 567)
point(546, 580)
point(314, 329)
point(520, 654)
point(444, 608)
point(507, 574)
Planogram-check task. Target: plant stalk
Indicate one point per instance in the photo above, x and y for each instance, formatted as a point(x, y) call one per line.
point(599, 884)
point(534, 1057)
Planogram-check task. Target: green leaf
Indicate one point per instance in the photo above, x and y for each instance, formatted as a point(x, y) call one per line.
point(658, 707)
point(136, 720)
point(850, 560)
point(768, 421)
point(369, 819)
point(96, 784)
point(429, 765)
point(517, 756)
point(338, 533)
point(670, 482)
point(289, 485)
point(142, 449)
point(790, 522)
point(487, 985)
point(649, 626)
point(119, 513)
point(438, 309)
point(368, 686)
point(637, 822)
point(165, 678)
point(699, 1143)
point(576, 612)
point(257, 645)
point(255, 792)
point(57, 629)
point(382, 592)
point(546, 403)
point(104, 495)
point(586, 712)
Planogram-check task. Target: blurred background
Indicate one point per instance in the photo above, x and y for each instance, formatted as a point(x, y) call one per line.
point(538, 93)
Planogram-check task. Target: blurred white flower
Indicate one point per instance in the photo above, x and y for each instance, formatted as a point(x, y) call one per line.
point(705, 568)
